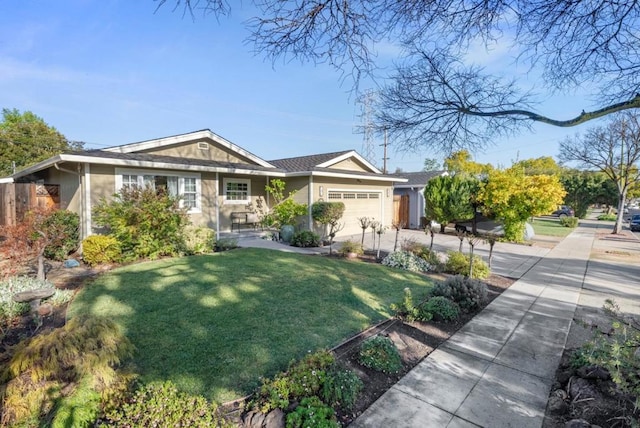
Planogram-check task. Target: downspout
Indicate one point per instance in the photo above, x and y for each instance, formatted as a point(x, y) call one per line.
point(217, 205)
point(310, 199)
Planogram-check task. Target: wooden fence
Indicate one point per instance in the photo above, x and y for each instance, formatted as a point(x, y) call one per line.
point(17, 199)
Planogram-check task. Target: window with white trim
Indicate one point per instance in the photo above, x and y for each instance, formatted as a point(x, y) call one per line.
point(236, 190)
point(187, 187)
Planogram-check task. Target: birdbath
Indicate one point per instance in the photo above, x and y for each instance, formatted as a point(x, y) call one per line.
point(33, 297)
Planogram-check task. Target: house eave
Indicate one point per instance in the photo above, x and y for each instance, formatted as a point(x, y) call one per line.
point(141, 164)
point(344, 175)
point(348, 155)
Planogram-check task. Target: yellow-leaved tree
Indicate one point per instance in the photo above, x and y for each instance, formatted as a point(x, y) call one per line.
point(512, 196)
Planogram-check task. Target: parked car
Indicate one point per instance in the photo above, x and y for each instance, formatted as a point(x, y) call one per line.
point(634, 224)
point(563, 211)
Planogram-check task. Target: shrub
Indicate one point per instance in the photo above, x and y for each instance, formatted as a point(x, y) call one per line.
point(225, 244)
point(407, 261)
point(569, 221)
point(12, 285)
point(311, 412)
point(607, 217)
point(61, 228)
point(441, 309)
point(351, 247)
point(460, 264)
point(146, 223)
point(199, 240)
point(305, 238)
point(380, 353)
point(470, 294)
point(161, 404)
point(98, 249)
point(303, 379)
point(341, 388)
point(408, 310)
point(61, 374)
point(616, 351)
point(327, 212)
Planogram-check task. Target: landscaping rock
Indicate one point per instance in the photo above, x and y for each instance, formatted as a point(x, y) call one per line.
point(45, 310)
point(557, 405)
point(577, 423)
point(257, 419)
point(71, 263)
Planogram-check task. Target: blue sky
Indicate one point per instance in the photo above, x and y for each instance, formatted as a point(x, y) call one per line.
point(112, 72)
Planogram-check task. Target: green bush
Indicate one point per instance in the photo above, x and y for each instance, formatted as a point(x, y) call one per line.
point(616, 351)
point(569, 221)
point(607, 217)
point(407, 261)
point(406, 309)
point(303, 379)
point(61, 228)
point(351, 247)
point(341, 388)
point(460, 264)
point(16, 284)
point(380, 353)
point(98, 249)
point(146, 223)
point(225, 244)
point(162, 405)
point(305, 238)
point(441, 309)
point(311, 412)
point(199, 240)
point(470, 294)
point(326, 212)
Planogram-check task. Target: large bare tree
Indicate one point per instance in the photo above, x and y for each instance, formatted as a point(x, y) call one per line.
point(436, 97)
point(613, 149)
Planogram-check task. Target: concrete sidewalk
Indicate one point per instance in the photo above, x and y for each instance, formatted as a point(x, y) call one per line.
point(498, 369)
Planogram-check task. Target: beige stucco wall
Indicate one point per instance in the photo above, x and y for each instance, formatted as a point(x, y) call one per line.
point(350, 164)
point(190, 150)
point(258, 198)
point(68, 182)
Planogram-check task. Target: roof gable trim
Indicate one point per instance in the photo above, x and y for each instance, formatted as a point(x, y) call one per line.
point(348, 155)
point(177, 139)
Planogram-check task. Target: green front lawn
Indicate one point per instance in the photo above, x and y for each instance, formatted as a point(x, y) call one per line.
point(550, 227)
point(214, 324)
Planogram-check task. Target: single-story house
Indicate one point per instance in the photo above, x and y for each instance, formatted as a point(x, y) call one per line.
point(215, 178)
point(408, 197)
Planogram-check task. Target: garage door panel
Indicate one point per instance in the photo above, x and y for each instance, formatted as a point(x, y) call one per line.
point(357, 204)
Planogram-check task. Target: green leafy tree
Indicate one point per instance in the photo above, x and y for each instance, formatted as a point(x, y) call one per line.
point(542, 165)
point(513, 197)
point(448, 198)
point(26, 139)
point(431, 164)
point(583, 189)
point(614, 150)
point(461, 163)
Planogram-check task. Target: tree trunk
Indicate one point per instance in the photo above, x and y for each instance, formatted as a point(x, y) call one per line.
point(617, 228)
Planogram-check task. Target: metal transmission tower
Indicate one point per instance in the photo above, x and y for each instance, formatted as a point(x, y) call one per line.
point(367, 126)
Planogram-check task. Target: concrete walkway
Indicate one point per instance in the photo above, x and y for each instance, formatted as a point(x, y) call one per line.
point(498, 369)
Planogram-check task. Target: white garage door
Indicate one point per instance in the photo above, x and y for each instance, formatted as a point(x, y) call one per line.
point(357, 204)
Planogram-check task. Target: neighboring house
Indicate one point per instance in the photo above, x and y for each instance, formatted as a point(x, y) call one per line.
point(213, 177)
point(408, 197)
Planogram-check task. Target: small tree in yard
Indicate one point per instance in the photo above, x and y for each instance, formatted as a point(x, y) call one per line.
point(40, 231)
point(329, 214)
point(365, 222)
point(397, 226)
point(146, 223)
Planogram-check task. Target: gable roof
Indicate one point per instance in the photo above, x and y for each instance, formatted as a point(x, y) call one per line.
point(322, 160)
point(417, 179)
point(183, 138)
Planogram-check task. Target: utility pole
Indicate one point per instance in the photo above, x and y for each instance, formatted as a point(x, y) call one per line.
point(385, 158)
